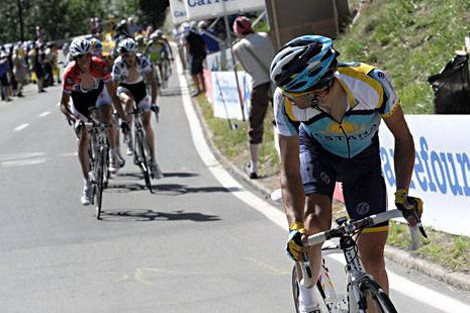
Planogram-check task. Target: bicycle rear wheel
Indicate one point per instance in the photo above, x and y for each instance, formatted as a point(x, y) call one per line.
point(100, 180)
point(143, 159)
point(377, 296)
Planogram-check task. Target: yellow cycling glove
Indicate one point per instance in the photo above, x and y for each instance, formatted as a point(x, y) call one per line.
point(294, 242)
point(408, 205)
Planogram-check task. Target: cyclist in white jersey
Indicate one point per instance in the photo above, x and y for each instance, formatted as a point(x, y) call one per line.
point(129, 71)
point(327, 117)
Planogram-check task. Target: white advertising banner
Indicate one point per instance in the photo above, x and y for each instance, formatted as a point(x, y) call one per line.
point(441, 174)
point(178, 11)
point(202, 9)
point(226, 103)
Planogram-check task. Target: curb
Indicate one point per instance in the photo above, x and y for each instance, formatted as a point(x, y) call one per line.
point(401, 257)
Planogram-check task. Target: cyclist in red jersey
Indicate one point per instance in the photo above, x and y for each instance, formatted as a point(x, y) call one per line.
point(84, 80)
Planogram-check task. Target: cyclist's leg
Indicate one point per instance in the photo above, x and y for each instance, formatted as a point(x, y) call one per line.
point(105, 114)
point(366, 196)
point(128, 101)
point(144, 104)
point(318, 179)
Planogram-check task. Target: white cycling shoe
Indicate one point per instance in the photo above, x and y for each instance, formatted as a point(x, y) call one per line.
point(87, 193)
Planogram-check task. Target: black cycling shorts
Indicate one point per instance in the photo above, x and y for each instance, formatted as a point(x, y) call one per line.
point(361, 176)
point(83, 101)
point(138, 90)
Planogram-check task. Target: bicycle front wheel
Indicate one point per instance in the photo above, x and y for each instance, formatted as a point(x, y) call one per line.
point(143, 159)
point(318, 292)
point(377, 297)
point(100, 180)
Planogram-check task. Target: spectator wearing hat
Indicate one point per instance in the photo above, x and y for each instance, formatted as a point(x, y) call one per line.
point(254, 51)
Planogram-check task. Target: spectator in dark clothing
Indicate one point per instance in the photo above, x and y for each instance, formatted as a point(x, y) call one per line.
point(209, 36)
point(4, 76)
point(196, 47)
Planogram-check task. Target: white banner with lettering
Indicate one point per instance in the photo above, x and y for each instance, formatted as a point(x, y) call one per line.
point(202, 9)
point(441, 174)
point(178, 11)
point(226, 103)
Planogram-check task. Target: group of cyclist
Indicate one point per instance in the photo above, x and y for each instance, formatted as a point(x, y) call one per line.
point(99, 87)
point(327, 116)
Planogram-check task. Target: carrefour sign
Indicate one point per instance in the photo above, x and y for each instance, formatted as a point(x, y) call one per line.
point(178, 11)
point(441, 174)
point(200, 9)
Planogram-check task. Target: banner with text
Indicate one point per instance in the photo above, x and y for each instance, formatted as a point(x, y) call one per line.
point(202, 9)
point(226, 103)
point(441, 174)
point(178, 11)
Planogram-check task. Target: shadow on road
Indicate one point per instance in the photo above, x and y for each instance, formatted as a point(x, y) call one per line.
point(150, 215)
point(165, 189)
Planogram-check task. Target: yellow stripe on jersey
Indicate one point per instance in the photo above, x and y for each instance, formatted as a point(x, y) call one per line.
point(288, 107)
point(360, 72)
point(375, 229)
point(392, 110)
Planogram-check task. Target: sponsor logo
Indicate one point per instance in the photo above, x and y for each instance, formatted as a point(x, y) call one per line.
point(363, 208)
point(197, 3)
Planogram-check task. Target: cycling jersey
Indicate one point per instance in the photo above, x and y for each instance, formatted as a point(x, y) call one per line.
point(84, 99)
point(370, 96)
point(137, 89)
point(157, 50)
point(120, 72)
point(99, 70)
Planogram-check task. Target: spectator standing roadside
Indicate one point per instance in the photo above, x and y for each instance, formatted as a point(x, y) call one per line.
point(255, 52)
point(209, 36)
point(196, 47)
point(20, 68)
point(4, 76)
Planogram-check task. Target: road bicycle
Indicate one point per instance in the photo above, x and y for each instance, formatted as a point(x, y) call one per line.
point(99, 160)
point(360, 285)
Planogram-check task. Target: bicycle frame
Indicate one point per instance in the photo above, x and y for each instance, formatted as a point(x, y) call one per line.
point(357, 278)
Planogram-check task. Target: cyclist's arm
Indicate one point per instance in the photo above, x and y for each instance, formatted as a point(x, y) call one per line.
point(293, 197)
point(64, 106)
point(153, 83)
point(404, 155)
point(111, 87)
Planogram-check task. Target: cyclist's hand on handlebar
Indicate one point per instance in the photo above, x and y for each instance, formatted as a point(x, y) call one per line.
point(411, 208)
point(294, 241)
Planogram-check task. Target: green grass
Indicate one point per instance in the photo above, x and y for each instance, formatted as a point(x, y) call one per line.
point(450, 251)
point(411, 40)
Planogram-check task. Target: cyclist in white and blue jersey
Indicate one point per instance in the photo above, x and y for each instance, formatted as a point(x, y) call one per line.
point(327, 116)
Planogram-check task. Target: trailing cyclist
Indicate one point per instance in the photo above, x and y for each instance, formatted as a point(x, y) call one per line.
point(129, 71)
point(327, 116)
point(85, 79)
point(159, 51)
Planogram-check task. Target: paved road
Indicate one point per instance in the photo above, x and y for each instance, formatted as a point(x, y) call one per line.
point(193, 246)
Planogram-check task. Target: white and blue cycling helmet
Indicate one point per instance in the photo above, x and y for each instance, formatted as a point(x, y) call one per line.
point(304, 63)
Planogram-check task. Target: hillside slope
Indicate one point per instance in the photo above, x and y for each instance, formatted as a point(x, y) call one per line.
point(411, 40)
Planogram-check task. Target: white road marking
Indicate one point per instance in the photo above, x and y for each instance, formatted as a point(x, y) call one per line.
point(44, 114)
point(14, 156)
point(398, 283)
point(16, 163)
point(21, 127)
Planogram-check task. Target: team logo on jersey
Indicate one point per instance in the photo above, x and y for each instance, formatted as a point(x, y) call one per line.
point(326, 179)
point(116, 70)
point(362, 208)
point(105, 69)
point(69, 81)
